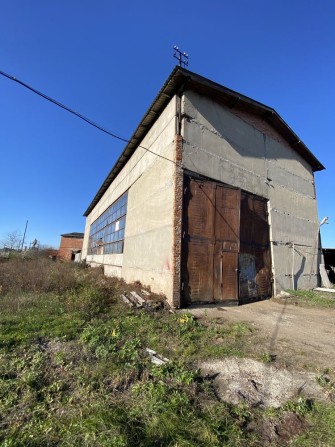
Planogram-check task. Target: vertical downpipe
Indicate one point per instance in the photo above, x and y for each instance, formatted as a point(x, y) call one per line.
point(293, 283)
point(274, 286)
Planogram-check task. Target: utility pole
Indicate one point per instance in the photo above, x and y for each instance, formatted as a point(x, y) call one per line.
point(182, 57)
point(24, 235)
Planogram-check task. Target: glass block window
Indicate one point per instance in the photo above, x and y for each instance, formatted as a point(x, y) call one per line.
point(107, 232)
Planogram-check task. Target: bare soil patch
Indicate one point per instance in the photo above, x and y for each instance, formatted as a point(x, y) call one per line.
point(280, 432)
point(289, 357)
point(296, 337)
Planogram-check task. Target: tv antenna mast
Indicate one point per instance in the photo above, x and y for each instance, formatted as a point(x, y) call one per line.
point(181, 56)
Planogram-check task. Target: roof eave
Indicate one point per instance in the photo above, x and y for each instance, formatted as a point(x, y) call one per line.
point(164, 96)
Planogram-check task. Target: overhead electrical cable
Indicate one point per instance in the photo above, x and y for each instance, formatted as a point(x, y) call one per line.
point(79, 115)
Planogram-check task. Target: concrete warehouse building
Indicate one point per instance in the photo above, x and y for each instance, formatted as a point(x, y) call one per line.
point(212, 199)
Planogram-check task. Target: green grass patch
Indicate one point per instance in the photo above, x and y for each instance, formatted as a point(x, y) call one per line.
point(74, 370)
point(313, 298)
point(322, 428)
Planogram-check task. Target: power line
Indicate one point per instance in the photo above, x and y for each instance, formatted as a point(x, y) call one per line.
point(79, 115)
point(48, 98)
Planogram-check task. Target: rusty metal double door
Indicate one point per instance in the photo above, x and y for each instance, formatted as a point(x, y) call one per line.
point(211, 233)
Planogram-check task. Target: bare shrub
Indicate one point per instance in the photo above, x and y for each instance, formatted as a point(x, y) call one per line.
point(19, 275)
point(12, 240)
point(27, 281)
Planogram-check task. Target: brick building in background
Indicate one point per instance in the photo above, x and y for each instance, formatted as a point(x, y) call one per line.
point(70, 244)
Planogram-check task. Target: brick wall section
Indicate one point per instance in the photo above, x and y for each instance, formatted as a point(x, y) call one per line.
point(67, 244)
point(177, 221)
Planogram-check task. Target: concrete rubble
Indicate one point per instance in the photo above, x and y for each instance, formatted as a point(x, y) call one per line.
point(243, 380)
point(135, 300)
point(156, 358)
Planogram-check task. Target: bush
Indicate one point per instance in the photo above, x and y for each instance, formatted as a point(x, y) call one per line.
point(48, 287)
point(40, 275)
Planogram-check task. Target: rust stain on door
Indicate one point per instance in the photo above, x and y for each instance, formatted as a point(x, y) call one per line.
point(226, 252)
point(197, 272)
point(226, 235)
point(254, 258)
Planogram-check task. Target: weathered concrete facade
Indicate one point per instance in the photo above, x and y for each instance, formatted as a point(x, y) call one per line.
point(245, 152)
point(199, 127)
point(149, 180)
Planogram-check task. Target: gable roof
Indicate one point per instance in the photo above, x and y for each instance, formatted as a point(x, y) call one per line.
point(180, 80)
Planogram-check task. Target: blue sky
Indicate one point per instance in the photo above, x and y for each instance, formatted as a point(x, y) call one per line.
point(108, 59)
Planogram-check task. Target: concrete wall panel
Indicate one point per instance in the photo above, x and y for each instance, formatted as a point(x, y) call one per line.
point(288, 179)
point(149, 179)
point(158, 140)
point(291, 228)
point(304, 272)
point(86, 237)
point(236, 150)
point(222, 169)
point(286, 201)
point(286, 158)
point(112, 263)
point(149, 232)
point(220, 121)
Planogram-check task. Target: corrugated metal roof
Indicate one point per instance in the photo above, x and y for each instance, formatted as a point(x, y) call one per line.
point(182, 79)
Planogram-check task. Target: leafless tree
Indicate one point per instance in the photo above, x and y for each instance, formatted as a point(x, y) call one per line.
point(12, 240)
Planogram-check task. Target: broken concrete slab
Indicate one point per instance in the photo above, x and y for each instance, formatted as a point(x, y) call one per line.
point(156, 358)
point(127, 301)
point(283, 294)
point(134, 299)
point(135, 296)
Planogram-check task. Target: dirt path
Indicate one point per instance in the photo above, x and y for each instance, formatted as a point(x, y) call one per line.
point(298, 337)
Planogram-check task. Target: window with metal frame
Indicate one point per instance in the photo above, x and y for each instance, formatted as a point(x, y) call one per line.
point(107, 231)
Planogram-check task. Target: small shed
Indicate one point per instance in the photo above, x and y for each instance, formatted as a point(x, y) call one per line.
point(70, 243)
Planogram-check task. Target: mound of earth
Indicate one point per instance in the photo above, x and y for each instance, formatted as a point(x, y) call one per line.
point(258, 384)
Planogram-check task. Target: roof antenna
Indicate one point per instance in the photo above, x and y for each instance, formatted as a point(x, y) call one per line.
point(182, 57)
